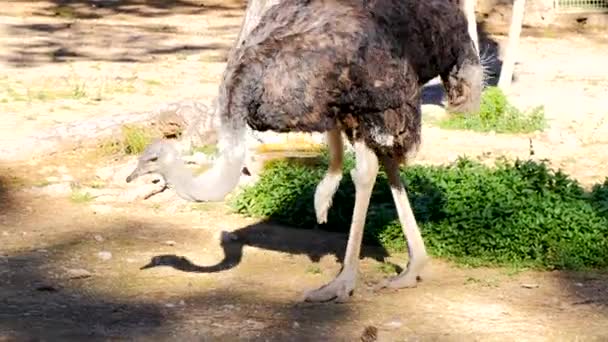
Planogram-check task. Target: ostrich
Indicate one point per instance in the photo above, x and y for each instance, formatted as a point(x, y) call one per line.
point(342, 67)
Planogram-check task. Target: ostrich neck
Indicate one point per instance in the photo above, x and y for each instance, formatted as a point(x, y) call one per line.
point(212, 185)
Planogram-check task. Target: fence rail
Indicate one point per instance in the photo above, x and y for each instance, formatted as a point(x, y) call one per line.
point(580, 6)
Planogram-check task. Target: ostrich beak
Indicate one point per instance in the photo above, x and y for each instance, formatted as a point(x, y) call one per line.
point(133, 175)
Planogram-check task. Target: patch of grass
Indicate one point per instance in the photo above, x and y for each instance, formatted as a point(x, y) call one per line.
point(96, 184)
point(110, 147)
point(205, 207)
point(79, 196)
point(313, 269)
point(152, 82)
point(388, 268)
point(72, 87)
point(492, 282)
point(516, 213)
point(78, 91)
point(498, 115)
point(133, 140)
point(136, 138)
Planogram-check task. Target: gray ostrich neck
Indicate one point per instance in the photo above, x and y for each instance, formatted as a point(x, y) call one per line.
point(212, 185)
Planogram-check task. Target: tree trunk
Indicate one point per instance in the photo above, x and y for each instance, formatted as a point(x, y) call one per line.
point(508, 66)
point(468, 7)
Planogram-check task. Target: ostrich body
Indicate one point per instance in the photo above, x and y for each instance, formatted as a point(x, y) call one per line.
point(338, 66)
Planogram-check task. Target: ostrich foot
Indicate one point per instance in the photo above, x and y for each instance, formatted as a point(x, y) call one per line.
point(338, 290)
point(406, 279)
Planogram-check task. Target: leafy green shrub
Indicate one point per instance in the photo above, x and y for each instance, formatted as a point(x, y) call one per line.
point(518, 212)
point(498, 115)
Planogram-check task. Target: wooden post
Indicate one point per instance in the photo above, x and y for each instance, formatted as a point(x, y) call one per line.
point(508, 66)
point(468, 7)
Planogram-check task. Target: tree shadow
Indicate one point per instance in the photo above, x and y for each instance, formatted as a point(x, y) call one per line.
point(60, 43)
point(67, 35)
point(38, 301)
point(5, 196)
point(86, 9)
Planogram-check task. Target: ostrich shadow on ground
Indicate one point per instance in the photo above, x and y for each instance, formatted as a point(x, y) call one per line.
point(281, 232)
point(269, 235)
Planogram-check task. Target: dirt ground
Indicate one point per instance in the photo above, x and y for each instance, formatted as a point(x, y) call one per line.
point(71, 270)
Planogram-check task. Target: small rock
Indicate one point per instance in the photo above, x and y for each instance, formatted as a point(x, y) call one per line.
point(42, 250)
point(130, 260)
point(169, 243)
point(104, 255)
point(393, 324)
point(182, 302)
point(98, 238)
point(170, 305)
point(78, 273)
point(296, 325)
point(579, 284)
point(530, 286)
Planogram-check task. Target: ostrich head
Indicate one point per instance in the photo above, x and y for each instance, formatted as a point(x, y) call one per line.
point(465, 82)
point(159, 157)
point(162, 158)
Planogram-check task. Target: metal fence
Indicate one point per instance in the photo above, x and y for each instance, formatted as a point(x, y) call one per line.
point(580, 6)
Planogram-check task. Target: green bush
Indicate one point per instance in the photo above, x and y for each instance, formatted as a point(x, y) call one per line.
point(518, 212)
point(498, 115)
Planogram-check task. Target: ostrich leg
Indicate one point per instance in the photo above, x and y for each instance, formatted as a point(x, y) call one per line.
point(326, 189)
point(415, 245)
point(364, 176)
